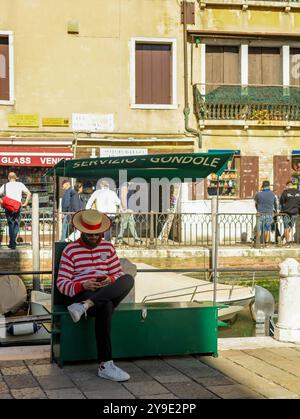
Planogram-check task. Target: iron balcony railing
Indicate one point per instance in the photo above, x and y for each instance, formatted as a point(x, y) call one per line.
point(156, 229)
point(237, 102)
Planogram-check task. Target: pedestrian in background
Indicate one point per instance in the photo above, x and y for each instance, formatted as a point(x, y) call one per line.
point(127, 220)
point(65, 207)
point(77, 202)
point(14, 190)
point(290, 205)
point(107, 201)
point(266, 205)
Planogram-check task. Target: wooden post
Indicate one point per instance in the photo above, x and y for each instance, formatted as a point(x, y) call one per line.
point(35, 239)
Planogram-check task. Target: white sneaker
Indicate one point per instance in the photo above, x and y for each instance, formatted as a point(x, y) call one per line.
point(76, 310)
point(111, 372)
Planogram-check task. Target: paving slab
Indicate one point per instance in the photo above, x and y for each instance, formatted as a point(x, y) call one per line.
point(190, 390)
point(3, 388)
point(97, 384)
point(5, 396)
point(274, 358)
point(54, 382)
point(28, 393)
point(234, 391)
point(115, 394)
point(21, 381)
point(242, 375)
point(249, 368)
point(164, 396)
point(269, 372)
point(14, 370)
point(251, 343)
point(65, 393)
point(24, 352)
point(145, 387)
point(289, 353)
point(45, 370)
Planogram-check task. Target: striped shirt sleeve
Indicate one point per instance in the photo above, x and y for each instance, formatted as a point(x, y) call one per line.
point(65, 283)
point(114, 266)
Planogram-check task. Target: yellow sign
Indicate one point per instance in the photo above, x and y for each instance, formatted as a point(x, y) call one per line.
point(18, 120)
point(55, 122)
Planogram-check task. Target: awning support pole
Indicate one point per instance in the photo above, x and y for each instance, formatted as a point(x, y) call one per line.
point(215, 240)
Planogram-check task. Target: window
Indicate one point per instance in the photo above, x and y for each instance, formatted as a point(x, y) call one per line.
point(6, 65)
point(295, 66)
point(153, 73)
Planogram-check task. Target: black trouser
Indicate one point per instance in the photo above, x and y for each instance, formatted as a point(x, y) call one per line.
point(106, 300)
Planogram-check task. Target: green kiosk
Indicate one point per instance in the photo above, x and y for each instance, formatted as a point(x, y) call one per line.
point(138, 329)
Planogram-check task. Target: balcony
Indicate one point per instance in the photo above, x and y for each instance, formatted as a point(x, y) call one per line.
point(286, 5)
point(263, 104)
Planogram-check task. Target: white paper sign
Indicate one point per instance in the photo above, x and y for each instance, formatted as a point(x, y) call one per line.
point(117, 152)
point(93, 122)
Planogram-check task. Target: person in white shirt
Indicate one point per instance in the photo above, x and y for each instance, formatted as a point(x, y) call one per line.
point(14, 190)
point(107, 201)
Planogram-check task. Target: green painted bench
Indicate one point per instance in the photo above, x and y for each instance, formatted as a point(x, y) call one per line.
point(138, 329)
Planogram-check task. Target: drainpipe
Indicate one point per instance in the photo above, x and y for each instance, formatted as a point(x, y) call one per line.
point(187, 110)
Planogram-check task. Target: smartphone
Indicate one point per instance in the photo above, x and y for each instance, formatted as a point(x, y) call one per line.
point(101, 278)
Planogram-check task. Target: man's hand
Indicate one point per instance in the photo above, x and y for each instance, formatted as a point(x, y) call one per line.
point(104, 280)
point(91, 285)
point(98, 283)
point(24, 205)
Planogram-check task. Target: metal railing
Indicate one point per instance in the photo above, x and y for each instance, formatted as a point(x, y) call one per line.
point(25, 224)
point(155, 229)
point(252, 102)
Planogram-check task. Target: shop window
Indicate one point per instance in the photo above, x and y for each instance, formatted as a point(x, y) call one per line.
point(35, 179)
point(229, 185)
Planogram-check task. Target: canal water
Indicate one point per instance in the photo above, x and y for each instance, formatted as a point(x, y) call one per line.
point(242, 325)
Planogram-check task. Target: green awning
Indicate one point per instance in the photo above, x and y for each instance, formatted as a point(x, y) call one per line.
point(183, 166)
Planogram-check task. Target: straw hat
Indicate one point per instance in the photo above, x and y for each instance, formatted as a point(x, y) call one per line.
point(91, 221)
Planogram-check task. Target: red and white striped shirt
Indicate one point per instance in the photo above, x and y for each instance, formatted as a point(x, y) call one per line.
point(80, 263)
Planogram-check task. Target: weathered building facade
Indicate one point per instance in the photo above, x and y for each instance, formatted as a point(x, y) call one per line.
point(105, 77)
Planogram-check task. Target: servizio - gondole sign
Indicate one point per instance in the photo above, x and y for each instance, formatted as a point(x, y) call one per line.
point(191, 165)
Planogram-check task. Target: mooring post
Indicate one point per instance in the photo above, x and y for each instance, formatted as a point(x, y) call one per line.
point(287, 328)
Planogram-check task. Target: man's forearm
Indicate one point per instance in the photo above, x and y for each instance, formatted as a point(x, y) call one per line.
point(27, 199)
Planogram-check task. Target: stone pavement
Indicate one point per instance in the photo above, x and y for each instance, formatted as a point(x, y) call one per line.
point(246, 368)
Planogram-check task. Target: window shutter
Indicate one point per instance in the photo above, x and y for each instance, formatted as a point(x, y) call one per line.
point(249, 176)
point(4, 68)
point(264, 66)
point(222, 66)
point(153, 74)
point(282, 173)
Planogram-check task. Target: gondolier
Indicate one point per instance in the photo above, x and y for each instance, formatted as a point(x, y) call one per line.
point(91, 275)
